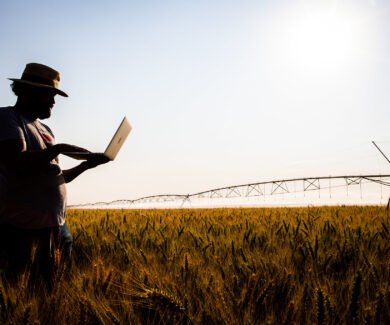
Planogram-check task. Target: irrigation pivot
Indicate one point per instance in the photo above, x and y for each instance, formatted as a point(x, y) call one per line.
point(274, 188)
point(373, 142)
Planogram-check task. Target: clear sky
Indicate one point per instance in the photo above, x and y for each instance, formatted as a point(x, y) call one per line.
point(218, 92)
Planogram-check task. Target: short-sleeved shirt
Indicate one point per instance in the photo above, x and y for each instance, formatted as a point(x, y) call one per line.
point(30, 198)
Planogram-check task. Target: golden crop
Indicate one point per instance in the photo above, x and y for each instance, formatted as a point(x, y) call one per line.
point(328, 265)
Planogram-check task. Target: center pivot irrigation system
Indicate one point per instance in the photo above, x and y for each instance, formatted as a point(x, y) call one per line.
point(330, 189)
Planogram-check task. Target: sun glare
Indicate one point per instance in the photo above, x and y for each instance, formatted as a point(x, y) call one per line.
point(322, 39)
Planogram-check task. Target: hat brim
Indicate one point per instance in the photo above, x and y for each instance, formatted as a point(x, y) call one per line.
point(56, 90)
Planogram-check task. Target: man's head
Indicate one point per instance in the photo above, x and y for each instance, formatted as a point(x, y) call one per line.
point(36, 89)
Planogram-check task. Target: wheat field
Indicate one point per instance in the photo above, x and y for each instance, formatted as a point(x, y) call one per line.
point(314, 265)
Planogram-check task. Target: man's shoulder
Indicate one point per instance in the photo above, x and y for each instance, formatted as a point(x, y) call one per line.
point(9, 124)
point(8, 115)
point(7, 111)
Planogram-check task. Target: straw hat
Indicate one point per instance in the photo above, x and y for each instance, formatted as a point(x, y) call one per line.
point(40, 75)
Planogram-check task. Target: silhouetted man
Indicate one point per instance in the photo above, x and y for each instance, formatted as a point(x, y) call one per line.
point(32, 184)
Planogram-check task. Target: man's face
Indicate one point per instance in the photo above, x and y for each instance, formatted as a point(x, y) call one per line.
point(41, 102)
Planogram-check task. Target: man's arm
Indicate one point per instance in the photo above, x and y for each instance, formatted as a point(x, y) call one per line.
point(13, 152)
point(71, 174)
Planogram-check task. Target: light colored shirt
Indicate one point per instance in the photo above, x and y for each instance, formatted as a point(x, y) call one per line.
point(30, 198)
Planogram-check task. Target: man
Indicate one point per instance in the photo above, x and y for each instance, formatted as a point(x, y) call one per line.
point(32, 184)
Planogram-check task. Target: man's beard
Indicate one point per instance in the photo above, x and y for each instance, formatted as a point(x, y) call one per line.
point(44, 114)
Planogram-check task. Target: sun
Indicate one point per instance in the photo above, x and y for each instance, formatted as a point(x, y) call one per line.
point(322, 39)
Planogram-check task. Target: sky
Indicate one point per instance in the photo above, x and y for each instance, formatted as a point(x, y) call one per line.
point(218, 92)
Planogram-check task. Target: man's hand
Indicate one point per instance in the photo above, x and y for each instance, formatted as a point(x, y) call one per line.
point(95, 160)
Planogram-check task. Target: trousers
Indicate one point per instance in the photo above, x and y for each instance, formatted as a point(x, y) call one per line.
point(32, 250)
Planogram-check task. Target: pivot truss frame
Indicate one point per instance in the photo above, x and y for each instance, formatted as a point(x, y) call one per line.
point(266, 188)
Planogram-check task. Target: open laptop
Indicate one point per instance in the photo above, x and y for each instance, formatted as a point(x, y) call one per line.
point(113, 147)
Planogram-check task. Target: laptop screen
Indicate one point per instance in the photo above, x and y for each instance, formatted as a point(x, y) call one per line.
point(118, 139)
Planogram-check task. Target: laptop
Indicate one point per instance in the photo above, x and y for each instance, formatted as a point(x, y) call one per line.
point(113, 147)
